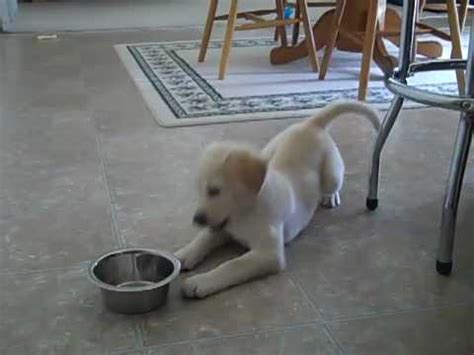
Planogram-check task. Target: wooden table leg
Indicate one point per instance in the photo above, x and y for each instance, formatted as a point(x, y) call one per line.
point(281, 30)
point(348, 41)
point(331, 41)
point(463, 10)
point(386, 62)
point(368, 49)
point(208, 29)
point(229, 36)
point(427, 48)
point(296, 26)
point(308, 33)
point(455, 33)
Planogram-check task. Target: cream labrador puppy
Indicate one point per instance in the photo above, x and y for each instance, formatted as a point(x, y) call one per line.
point(264, 199)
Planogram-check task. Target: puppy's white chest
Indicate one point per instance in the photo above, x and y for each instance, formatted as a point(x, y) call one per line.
point(249, 230)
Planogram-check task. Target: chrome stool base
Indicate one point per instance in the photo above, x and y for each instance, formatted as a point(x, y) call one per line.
point(464, 103)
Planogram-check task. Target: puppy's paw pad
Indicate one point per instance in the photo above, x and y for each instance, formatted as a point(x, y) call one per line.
point(195, 287)
point(331, 201)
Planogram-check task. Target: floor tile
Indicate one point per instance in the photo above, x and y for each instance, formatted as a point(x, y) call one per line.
point(44, 137)
point(311, 339)
point(54, 208)
point(445, 331)
point(103, 15)
point(359, 286)
point(54, 217)
point(265, 303)
point(58, 312)
point(174, 350)
point(40, 73)
point(130, 352)
point(59, 99)
point(300, 340)
point(57, 236)
point(359, 242)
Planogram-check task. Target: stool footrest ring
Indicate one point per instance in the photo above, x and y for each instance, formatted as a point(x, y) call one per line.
point(449, 102)
point(446, 64)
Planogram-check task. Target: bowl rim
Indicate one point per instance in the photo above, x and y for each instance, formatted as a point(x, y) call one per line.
point(103, 285)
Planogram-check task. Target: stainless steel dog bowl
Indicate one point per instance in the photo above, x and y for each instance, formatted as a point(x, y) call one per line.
point(134, 280)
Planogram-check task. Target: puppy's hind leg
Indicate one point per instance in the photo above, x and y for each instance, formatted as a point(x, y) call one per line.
point(332, 177)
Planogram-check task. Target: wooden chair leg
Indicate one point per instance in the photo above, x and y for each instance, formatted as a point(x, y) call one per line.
point(281, 30)
point(308, 33)
point(229, 36)
point(368, 48)
point(208, 29)
point(463, 10)
point(455, 33)
point(333, 33)
point(296, 26)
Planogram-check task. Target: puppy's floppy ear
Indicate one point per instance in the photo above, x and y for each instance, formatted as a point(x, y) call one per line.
point(246, 168)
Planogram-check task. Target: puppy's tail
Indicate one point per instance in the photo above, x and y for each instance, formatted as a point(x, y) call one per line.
point(332, 111)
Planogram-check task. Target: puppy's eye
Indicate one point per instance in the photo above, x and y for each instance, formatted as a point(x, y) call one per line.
point(213, 191)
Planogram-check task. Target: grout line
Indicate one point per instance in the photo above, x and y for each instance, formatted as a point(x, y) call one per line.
point(398, 312)
point(125, 351)
point(326, 323)
point(79, 266)
point(195, 349)
point(306, 297)
point(120, 240)
point(139, 333)
point(231, 335)
point(270, 329)
point(331, 337)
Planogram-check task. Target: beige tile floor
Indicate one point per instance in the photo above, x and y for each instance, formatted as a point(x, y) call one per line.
point(84, 168)
point(85, 15)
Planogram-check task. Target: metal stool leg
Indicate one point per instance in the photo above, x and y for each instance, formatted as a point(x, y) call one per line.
point(389, 121)
point(444, 262)
point(407, 51)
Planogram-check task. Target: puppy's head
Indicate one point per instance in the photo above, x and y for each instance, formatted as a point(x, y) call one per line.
point(230, 178)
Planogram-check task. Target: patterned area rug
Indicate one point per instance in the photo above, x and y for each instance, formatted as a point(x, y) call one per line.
point(181, 92)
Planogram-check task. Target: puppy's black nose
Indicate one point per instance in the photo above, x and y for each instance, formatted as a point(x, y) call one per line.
point(200, 219)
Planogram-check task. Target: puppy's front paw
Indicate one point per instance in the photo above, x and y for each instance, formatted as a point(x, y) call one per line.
point(331, 201)
point(198, 286)
point(187, 257)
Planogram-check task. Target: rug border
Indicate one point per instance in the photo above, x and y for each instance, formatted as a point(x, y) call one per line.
point(144, 86)
point(162, 113)
point(164, 116)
